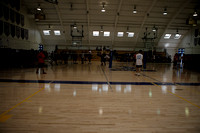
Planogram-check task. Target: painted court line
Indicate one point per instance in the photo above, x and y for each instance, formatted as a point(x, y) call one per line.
point(174, 93)
point(97, 82)
point(4, 113)
point(106, 78)
point(4, 116)
point(177, 84)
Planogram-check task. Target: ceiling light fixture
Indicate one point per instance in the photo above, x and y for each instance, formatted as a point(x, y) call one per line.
point(101, 29)
point(167, 36)
point(134, 10)
point(38, 8)
point(177, 34)
point(195, 13)
point(103, 9)
point(39, 14)
point(154, 29)
point(165, 11)
point(75, 26)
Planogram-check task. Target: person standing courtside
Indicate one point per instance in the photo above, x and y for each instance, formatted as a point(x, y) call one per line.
point(40, 57)
point(139, 62)
point(90, 57)
point(82, 57)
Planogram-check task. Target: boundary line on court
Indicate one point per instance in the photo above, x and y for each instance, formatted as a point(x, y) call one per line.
point(173, 93)
point(15, 106)
point(98, 82)
point(7, 111)
point(178, 84)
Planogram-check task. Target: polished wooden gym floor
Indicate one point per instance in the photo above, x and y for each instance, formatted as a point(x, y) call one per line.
point(90, 98)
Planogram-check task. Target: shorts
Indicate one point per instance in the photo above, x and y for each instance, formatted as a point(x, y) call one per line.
point(139, 66)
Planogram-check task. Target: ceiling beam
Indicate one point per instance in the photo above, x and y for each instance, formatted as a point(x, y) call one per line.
point(116, 21)
point(181, 7)
point(144, 19)
point(61, 22)
point(88, 21)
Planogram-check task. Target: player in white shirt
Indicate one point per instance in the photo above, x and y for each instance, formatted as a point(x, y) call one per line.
point(139, 62)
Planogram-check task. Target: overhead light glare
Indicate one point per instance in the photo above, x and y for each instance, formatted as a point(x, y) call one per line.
point(134, 10)
point(167, 45)
point(38, 8)
point(154, 29)
point(120, 34)
point(130, 34)
point(57, 32)
point(177, 36)
point(95, 33)
point(106, 33)
point(46, 32)
point(167, 36)
point(165, 11)
point(195, 14)
point(75, 26)
point(103, 8)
